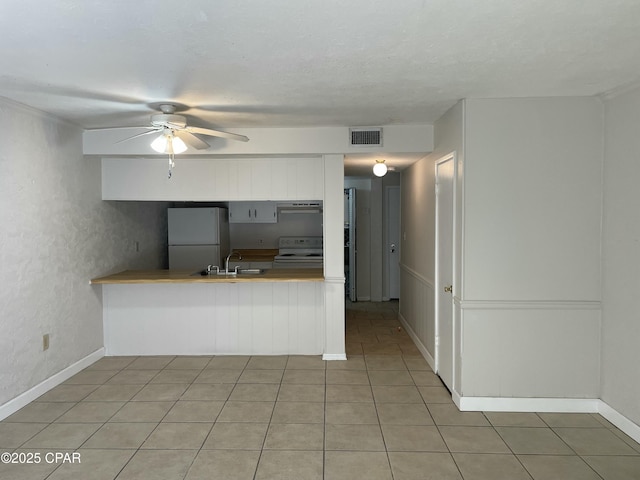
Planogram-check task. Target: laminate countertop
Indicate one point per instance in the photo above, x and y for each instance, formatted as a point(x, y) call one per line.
point(187, 276)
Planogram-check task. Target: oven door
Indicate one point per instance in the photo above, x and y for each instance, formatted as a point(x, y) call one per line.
point(297, 262)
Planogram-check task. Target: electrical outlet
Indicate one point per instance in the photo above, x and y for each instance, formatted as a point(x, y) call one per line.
point(45, 342)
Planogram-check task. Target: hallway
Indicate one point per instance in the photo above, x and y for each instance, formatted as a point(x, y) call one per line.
point(382, 414)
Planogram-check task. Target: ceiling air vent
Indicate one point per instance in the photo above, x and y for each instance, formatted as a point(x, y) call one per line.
point(363, 137)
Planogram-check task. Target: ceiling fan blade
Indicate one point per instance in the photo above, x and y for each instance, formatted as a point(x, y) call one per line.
point(155, 130)
point(191, 140)
point(119, 128)
point(216, 133)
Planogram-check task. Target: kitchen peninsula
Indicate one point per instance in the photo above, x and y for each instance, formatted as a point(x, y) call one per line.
point(173, 312)
point(247, 317)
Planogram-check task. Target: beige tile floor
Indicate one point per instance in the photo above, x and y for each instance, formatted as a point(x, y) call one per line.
point(380, 415)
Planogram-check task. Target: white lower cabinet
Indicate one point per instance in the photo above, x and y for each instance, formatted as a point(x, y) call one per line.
point(261, 318)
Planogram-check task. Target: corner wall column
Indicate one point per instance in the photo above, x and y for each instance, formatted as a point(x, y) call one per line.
point(333, 229)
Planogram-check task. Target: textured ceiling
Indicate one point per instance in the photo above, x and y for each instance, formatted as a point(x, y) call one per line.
point(254, 63)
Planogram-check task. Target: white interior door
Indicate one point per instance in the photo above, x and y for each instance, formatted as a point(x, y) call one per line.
point(393, 240)
point(445, 178)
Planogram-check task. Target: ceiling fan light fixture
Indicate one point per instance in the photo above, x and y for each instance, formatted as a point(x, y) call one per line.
point(178, 144)
point(169, 143)
point(379, 169)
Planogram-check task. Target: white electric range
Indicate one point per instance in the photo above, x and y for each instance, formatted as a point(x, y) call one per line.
point(299, 252)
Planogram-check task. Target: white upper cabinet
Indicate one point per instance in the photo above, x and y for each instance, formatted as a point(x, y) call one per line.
point(253, 212)
point(213, 179)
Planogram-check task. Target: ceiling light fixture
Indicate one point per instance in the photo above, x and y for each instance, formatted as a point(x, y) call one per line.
point(171, 144)
point(167, 142)
point(379, 169)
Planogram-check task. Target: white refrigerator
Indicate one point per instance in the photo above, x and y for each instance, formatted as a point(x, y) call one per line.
point(197, 237)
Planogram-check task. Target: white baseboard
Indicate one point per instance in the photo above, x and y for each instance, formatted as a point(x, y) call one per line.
point(455, 396)
point(334, 356)
point(554, 405)
point(423, 350)
point(509, 404)
point(43, 387)
point(619, 420)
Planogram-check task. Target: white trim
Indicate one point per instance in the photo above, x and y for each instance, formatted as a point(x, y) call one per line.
point(416, 275)
point(554, 405)
point(619, 420)
point(529, 305)
point(43, 387)
point(518, 404)
point(423, 350)
point(334, 356)
point(334, 280)
point(455, 396)
point(364, 299)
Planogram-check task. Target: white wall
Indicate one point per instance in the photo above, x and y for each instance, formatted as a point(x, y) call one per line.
point(532, 199)
point(531, 284)
point(621, 256)
point(56, 235)
point(527, 277)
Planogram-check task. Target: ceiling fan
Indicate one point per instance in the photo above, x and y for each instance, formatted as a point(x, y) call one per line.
point(175, 134)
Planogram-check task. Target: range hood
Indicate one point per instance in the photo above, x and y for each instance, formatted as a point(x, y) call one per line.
point(300, 207)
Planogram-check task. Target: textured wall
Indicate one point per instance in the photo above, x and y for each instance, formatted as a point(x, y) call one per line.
point(55, 234)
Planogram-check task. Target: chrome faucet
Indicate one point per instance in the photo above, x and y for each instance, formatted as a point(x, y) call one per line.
point(226, 263)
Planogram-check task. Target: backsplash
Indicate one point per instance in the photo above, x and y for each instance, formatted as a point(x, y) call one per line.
point(266, 235)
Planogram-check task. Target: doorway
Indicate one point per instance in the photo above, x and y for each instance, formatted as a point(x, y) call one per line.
point(445, 235)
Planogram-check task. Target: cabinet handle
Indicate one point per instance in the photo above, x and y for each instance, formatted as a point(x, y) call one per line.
point(255, 213)
point(249, 213)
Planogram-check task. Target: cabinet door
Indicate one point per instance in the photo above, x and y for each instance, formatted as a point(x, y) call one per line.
point(253, 212)
point(241, 212)
point(265, 212)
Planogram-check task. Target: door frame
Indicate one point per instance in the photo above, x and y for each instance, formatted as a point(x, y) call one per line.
point(438, 282)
